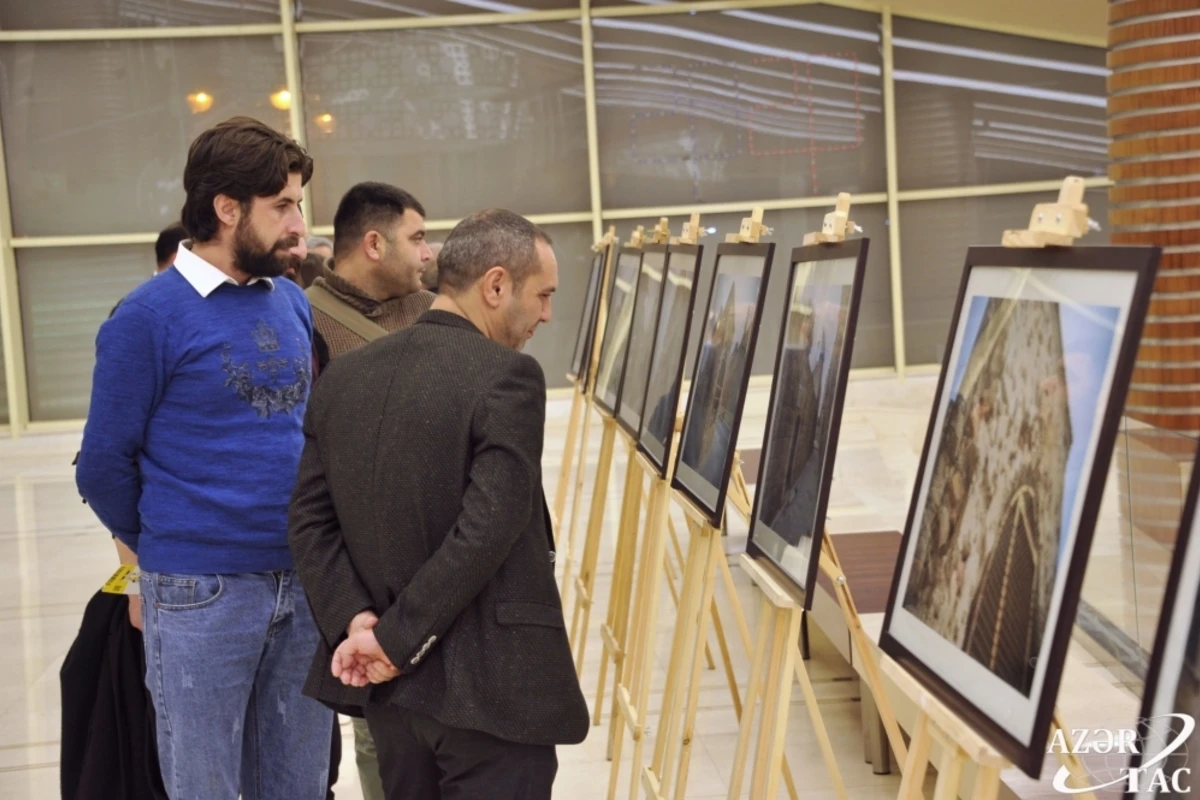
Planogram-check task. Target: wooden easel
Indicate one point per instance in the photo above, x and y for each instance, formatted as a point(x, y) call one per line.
point(631, 502)
point(776, 655)
point(960, 746)
point(614, 631)
point(629, 522)
point(836, 226)
point(631, 698)
point(1051, 224)
point(581, 399)
point(632, 694)
point(616, 624)
point(600, 489)
point(1055, 224)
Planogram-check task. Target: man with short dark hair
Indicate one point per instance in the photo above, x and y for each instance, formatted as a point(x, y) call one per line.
point(379, 242)
point(421, 531)
point(379, 254)
point(189, 456)
point(167, 245)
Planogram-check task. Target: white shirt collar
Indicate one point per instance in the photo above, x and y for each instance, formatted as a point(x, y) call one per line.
point(203, 276)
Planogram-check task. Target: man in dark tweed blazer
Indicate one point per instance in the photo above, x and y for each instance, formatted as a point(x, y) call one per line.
point(421, 534)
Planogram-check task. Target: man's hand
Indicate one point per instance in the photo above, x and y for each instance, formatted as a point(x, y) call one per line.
point(128, 558)
point(363, 621)
point(360, 660)
point(135, 611)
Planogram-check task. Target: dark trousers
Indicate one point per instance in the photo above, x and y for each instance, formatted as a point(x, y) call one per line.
point(420, 757)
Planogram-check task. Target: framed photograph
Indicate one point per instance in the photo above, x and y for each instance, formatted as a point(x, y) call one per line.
point(581, 358)
point(805, 411)
point(723, 364)
point(1042, 346)
point(646, 300)
point(1173, 681)
point(671, 333)
point(616, 328)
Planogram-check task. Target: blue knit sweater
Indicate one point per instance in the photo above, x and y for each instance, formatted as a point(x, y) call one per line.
point(193, 437)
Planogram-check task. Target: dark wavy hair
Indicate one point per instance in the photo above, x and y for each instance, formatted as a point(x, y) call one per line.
point(241, 158)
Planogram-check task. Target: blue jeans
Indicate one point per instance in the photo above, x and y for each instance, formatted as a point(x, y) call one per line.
point(226, 659)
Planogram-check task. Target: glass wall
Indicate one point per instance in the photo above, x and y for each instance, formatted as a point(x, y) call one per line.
point(715, 111)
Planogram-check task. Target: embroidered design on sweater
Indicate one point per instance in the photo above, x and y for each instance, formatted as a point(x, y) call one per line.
point(266, 338)
point(267, 399)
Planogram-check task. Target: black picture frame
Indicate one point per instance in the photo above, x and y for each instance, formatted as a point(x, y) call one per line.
point(672, 332)
point(759, 544)
point(948, 684)
point(640, 349)
point(708, 493)
point(581, 358)
point(622, 290)
point(1175, 661)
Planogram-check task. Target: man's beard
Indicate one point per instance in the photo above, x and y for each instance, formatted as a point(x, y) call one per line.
point(515, 330)
point(250, 257)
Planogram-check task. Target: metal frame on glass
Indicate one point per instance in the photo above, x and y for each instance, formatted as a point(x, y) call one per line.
point(1086, 307)
point(1174, 675)
point(641, 339)
point(613, 335)
point(655, 443)
point(12, 329)
point(581, 358)
point(709, 496)
point(760, 549)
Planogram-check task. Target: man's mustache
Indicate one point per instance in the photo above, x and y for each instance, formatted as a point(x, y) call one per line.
point(296, 247)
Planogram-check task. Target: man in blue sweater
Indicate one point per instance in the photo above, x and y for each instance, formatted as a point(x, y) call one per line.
point(189, 456)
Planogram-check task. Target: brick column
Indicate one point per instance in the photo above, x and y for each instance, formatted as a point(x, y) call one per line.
point(1154, 54)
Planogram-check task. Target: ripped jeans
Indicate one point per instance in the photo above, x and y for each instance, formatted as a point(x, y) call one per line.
point(226, 659)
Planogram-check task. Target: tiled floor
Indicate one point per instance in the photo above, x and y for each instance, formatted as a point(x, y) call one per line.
point(54, 555)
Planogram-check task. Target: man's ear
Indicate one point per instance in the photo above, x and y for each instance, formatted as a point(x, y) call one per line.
point(373, 245)
point(227, 209)
point(492, 286)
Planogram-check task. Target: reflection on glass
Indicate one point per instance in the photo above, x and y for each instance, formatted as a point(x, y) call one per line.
point(806, 390)
point(1173, 683)
point(662, 393)
point(933, 262)
point(641, 334)
point(59, 14)
point(739, 104)
point(582, 356)
point(1001, 109)
point(314, 10)
point(721, 374)
point(463, 117)
point(96, 133)
point(616, 329)
point(66, 293)
point(552, 344)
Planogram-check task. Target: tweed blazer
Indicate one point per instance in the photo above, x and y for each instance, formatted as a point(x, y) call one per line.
point(420, 497)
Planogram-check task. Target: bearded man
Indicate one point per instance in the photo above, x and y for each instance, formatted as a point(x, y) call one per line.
point(189, 456)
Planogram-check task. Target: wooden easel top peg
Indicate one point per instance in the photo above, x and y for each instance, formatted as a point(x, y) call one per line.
point(660, 233)
point(1055, 224)
point(837, 225)
point(751, 231)
point(606, 240)
point(691, 232)
point(638, 237)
